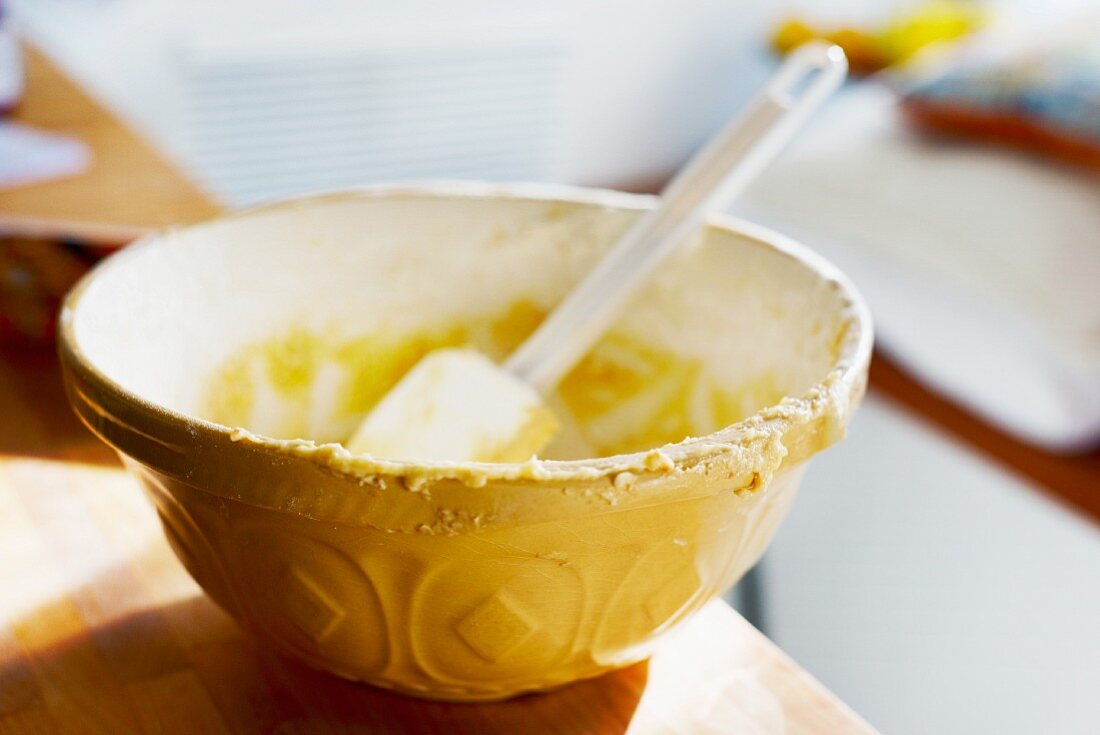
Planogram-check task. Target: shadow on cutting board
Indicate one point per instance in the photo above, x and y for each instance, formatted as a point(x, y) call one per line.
point(185, 667)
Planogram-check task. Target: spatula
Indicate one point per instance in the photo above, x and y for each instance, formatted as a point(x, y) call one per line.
point(458, 405)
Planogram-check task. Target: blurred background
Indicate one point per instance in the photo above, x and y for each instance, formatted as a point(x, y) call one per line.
point(941, 571)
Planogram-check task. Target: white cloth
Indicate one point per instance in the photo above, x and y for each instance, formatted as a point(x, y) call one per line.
point(982, 266)
point(29, 156)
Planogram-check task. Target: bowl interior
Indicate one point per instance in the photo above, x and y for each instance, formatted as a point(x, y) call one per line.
point(291, 320)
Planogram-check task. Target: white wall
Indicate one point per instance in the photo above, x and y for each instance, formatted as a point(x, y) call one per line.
point(934, 592)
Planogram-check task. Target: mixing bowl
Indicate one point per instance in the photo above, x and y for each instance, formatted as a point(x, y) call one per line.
point(225, 361)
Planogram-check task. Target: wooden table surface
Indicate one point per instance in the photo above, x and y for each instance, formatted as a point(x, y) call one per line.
point(129, 189)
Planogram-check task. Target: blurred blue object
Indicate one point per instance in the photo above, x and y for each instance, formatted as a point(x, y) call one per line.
point(11, 63)
point(1042, 93)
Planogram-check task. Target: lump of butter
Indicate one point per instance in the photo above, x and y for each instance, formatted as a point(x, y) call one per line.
point(457, 405)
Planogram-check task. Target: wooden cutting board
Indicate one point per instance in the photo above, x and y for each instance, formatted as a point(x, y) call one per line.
point(101, 630)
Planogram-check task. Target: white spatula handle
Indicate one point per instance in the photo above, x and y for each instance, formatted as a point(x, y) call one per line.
point(709, 182)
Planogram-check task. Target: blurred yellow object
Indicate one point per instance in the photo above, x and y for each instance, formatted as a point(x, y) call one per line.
point(870, 50)
point(792, 33)
point(940, 20)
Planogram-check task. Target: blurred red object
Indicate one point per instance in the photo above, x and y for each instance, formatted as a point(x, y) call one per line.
point(34, 277)
point(1005, 128)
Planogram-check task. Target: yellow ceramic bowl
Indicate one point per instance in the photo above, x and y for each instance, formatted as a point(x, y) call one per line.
point(201, 354)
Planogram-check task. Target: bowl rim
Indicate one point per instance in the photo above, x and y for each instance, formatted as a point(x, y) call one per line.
point(835, 392)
